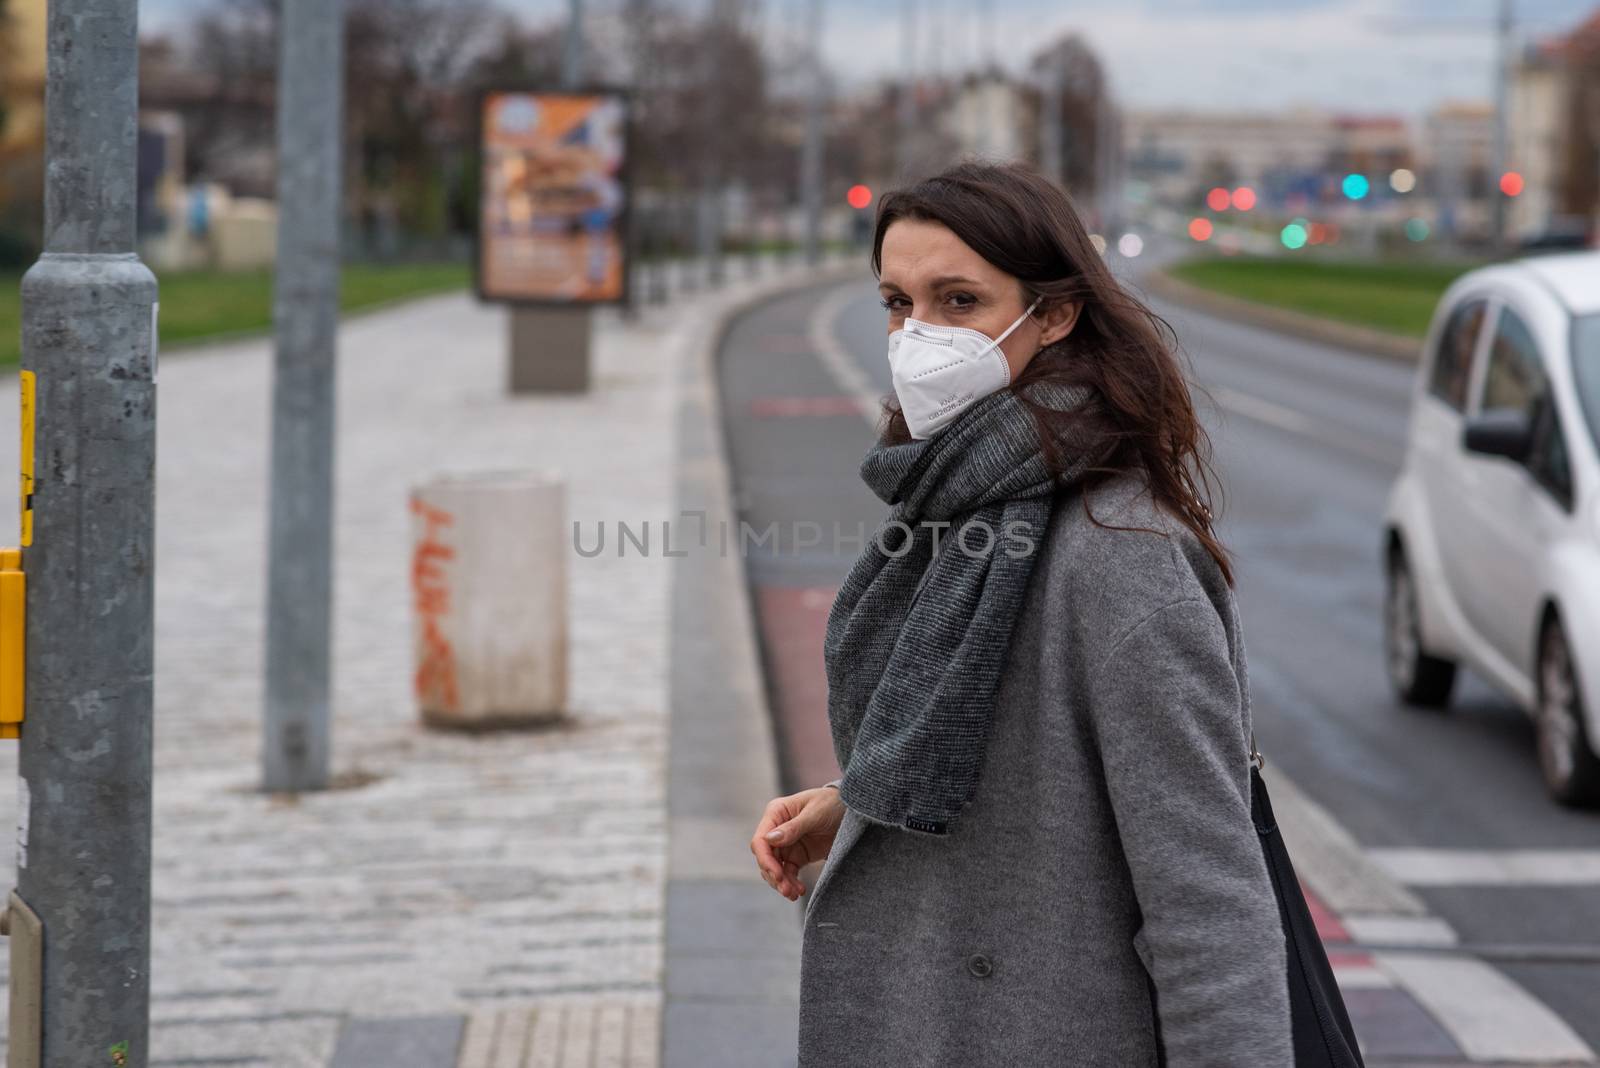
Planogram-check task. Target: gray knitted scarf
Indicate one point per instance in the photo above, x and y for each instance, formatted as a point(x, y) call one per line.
point(917, 638)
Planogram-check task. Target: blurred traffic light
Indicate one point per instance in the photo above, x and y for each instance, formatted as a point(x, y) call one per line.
point(1294, 236)
point(1200, 229)
point(1244, 198)
point(859, 196)
point(1417, 229)
point(1218, 199)
point(1356, 186)
point(1511, 183)
point(1402, 181)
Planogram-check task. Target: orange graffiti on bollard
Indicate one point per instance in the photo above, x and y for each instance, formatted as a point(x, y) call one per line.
point(436, 673)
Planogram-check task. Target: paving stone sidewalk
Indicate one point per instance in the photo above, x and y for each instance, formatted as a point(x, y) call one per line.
point(499, 895)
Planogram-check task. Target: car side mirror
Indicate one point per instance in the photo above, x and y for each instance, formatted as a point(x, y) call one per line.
point(1499, 432)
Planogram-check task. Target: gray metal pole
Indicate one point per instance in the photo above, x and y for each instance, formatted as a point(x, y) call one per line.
point(727, 18)
point(572, 57)
point(88, 340)
point(710, 229)
point(1502, 105)
point(306, 312)
point(1050, 115)
point(1107, 150)
point(811, 172)
point(907, 117)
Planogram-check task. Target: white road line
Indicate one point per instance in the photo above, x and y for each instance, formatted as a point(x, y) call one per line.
point(1491, 867)
point(1331, 861)
point(835, 358)
point(1490, 1017)
point(1409, 932)
point(1297, 422)
point(1362, 977)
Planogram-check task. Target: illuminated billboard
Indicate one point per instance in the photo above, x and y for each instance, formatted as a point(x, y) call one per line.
point(553, 197)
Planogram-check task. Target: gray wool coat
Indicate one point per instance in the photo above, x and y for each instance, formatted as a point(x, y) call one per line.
point(1109, 843)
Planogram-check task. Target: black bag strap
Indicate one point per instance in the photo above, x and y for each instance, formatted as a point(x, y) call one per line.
point(1323, 1035)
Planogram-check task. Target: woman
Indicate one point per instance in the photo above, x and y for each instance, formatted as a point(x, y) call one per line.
point(1041, 850)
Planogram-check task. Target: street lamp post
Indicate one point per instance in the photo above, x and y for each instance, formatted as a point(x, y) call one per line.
point(88, 358)
point(811, 171)
point(907, 109)
point(1502, 105)
point(572, 55)
point(306, 313)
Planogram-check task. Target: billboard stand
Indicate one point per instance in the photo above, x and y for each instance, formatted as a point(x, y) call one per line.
point(549, 349)
point(555, 235)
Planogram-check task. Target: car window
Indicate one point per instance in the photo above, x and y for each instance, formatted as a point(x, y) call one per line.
point(1547, 459)
point(1452, 360)
point(1586, 369)
point(1515, 379)
point(1515, 376)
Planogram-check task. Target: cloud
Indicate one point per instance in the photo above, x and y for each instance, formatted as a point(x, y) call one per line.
point(1391, 56)
point(1397, 56)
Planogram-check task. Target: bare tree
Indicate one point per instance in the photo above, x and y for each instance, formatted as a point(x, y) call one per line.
point(1579, 189)
point(1074, 68)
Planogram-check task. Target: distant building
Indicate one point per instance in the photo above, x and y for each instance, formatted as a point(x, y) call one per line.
point(22, 70)
point(1458, 160)
point(1181, 153)
point(1554, 134)
point(22, 73)
point(987, 115)
point(1535, 128)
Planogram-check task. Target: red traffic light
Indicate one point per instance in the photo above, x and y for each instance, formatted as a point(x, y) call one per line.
point(1511, 183)
point(1218, 199)
point(1200, 229)
point(859, 196)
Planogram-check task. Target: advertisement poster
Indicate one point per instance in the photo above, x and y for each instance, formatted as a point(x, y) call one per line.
point(553, 197)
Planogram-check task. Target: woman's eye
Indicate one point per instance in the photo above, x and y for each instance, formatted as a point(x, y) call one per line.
point(894, 303)
point(963, 300)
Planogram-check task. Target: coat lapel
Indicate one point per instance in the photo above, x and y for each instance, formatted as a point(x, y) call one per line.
point(849, 833)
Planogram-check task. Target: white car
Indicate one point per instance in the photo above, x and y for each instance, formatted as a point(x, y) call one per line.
point(1492, 529)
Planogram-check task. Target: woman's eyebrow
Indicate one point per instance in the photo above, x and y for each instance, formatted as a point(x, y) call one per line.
point(935, 283)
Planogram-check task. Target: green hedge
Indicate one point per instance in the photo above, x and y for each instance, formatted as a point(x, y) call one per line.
point(196, 305)
point(1397, 297)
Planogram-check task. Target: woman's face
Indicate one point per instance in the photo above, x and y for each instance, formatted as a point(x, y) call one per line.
point(930, 274)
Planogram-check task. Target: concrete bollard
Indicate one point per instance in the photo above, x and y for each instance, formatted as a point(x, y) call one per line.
point(489, 596)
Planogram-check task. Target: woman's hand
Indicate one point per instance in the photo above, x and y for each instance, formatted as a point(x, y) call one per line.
point(794, 831)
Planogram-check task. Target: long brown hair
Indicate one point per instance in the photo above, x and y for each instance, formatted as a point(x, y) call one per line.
point(1025, 225)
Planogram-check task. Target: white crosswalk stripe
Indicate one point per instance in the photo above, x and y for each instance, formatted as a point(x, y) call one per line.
point(1490, 867)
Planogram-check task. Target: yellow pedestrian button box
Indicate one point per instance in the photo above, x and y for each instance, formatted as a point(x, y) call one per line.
point(13, 605)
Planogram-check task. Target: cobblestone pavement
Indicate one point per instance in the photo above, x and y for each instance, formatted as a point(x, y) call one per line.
point(512, 881)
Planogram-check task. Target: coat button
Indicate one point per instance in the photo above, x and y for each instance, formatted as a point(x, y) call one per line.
point(979, 965)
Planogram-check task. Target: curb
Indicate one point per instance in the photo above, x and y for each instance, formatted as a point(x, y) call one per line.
point(731, 956)
point(1358, 339)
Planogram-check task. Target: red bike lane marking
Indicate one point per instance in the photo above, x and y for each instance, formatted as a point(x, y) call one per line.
point(803, 407)
point(793, 620)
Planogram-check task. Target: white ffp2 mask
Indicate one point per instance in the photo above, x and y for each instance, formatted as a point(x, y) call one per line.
point(938, 371)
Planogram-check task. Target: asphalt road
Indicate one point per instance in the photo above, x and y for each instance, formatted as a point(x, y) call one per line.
point(1307, 439)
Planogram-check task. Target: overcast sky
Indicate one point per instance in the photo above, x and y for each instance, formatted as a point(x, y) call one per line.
point(1355, 55)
